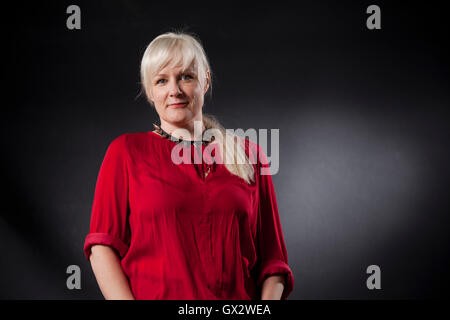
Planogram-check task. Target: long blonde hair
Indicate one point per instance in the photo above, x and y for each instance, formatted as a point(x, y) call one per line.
point(180, 48)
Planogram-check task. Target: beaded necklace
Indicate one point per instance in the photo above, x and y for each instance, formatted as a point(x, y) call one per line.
point(168, 136)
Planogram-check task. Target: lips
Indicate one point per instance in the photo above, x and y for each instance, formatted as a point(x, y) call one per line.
point(178, 105)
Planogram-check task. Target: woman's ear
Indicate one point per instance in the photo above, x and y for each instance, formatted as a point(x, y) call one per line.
point(149, 96)
point(208, 79)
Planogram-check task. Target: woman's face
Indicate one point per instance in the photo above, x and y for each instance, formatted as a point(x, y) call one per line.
point(178, 96)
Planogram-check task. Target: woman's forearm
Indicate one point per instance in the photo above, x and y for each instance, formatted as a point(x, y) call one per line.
point(272, 288)
point(109, 274)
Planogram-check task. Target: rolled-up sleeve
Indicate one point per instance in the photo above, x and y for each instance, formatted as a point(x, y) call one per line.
point(109, 216)
point(273, 258)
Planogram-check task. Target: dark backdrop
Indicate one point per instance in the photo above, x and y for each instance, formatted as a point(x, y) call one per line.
point(363, 118)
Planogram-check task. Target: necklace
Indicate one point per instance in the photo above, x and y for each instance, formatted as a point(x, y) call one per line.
point(167, 135)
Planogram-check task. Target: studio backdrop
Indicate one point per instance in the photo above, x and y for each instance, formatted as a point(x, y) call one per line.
point(356, 91)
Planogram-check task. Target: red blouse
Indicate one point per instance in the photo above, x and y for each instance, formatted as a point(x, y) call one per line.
point(181, 235)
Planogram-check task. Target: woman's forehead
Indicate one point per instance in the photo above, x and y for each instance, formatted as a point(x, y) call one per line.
point(172, 67)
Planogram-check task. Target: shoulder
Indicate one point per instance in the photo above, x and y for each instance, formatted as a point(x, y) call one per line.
point(252, 149)
point(128, 142)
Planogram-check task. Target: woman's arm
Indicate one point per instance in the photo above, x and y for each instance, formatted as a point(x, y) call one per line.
point(109, 274)
point(272, 288)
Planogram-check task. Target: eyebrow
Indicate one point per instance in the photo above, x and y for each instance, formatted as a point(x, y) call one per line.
point(185, 71)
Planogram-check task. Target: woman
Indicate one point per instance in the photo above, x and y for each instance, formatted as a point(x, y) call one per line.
point(161, 229)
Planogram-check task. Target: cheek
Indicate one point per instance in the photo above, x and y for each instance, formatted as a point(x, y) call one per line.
point(158, 96)
point(158, 101)
point(197, 94)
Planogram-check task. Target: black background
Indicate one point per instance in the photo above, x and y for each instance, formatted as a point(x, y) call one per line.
point(363, 118)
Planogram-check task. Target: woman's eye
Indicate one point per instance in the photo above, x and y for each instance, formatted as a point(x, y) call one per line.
point(186, 77)
point(159, 81)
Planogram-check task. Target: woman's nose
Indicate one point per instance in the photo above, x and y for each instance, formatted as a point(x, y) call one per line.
point(174, 88)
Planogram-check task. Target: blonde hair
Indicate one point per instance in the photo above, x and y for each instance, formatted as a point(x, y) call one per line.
point(180, 48)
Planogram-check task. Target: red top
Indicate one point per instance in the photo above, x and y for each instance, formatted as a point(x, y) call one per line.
point(181, 235)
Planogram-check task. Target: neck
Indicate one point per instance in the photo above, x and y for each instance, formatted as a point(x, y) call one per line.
point(175, 129)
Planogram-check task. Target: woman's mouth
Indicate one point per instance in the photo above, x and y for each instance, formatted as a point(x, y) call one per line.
point(178, 105)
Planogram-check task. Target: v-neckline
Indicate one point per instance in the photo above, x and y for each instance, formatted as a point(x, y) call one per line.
point(199, 167)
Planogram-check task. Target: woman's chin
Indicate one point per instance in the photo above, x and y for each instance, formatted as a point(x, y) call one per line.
point(177, 117)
